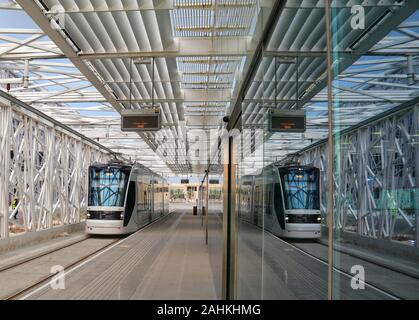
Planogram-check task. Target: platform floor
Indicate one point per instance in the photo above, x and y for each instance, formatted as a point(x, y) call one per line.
point(170, 260)
point(166, 260)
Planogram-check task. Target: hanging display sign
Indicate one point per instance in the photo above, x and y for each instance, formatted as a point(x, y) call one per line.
point(287, 120)
point(141, 120)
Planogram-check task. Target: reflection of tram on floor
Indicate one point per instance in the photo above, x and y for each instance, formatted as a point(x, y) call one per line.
point(285, 200)
point(123, 198)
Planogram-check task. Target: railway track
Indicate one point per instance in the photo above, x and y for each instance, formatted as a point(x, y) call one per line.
point(16, 294)
point(42, 283)
point(26, 260)
point(338, 270)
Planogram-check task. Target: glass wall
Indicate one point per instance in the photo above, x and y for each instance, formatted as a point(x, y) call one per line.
point(215, 228)
point(249, 200)
point(278, 201)
point(375, 251)
point(287, 195)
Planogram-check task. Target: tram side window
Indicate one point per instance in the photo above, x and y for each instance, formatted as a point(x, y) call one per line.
point(149, 197)
point(142, 200)
point(258, 199)
point(145, 200)
point(258, 204)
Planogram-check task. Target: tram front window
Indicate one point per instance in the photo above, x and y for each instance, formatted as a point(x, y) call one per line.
point(301, 188)
point(107, 186)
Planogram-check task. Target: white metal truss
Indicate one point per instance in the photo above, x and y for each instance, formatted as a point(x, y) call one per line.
point(44, 167)
point(376, 176)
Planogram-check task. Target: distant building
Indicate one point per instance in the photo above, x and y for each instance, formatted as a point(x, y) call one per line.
point(190, 192)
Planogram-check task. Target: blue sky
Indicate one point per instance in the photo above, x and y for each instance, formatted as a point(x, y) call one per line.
point(15, 19)
point(20, 20)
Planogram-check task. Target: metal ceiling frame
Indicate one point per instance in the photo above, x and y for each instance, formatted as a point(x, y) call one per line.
point(195, 69)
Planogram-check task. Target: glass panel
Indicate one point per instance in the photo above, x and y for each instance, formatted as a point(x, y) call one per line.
point(215, 225)
point(249, 208)
point(375, 173)
point(281, 254)
point(108, 186)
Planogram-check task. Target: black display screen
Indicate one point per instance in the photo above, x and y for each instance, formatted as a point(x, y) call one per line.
point(141, 122)
point(284, 123)
point(184, 181)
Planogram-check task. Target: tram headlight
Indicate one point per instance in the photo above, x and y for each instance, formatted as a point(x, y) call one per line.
point(88, 216)
point(122, 216)
point(286, 218)
point(319, 219)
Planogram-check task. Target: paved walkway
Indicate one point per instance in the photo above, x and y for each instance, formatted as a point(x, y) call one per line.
point(167, 260)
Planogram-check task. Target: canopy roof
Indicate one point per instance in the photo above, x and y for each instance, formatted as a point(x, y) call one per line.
point(88, 60)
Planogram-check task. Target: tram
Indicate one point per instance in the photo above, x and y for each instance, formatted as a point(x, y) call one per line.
point(284, 200)
point(123, 198)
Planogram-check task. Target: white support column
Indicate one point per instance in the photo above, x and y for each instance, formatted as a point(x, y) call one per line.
point(86, 161)
point(49, 174)
point(362, 197)
point(78, 181)
point(5, 120)
point(390, 171)
point(65, 212)
point(30, 211)
point(26, 74)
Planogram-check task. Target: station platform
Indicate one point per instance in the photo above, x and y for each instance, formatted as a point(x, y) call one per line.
point(169, 260)
point(165, 260)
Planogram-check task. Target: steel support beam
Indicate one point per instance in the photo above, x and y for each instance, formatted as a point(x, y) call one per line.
point(5, 133)
point(186, 47)
point(5, 6)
